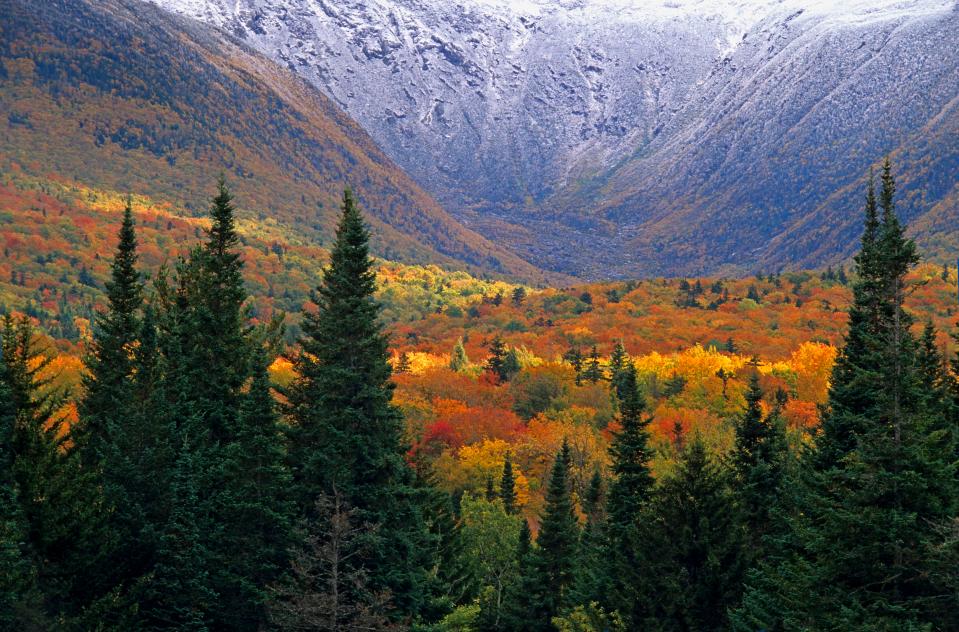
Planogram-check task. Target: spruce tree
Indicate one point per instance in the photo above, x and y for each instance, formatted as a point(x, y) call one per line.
point(553, 561)
point(106, 405)
point(507, 486)
point(593, 372)
point(618, 362)
point(346, 436)
point(496, 363)
point(516, 611)
point(868, 521)
point(629, 493)
point(220, 350)
point(697, 546)
point(459, 361)
point(254, 507)
point(591, 583)
point(758, 462)
point(20, 603)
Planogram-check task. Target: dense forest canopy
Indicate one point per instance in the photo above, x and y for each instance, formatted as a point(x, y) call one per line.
point(417, 449)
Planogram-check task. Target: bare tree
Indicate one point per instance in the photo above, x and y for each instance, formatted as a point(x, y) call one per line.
point(326, 588)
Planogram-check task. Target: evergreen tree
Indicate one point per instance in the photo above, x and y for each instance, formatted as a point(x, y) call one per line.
point(20, 603)
point(220, 352)
point(254, 510)
point(496, 363)
point(697, 545)
point(552, 563)
point(868, 522)
point(59, 503)
point(507, 486)
point(516, 611)
point(490, 489)
point(618, 363)
point(106, 406)
point(591, 583)
point(629, 493)
point(346, 436)
point(758, 463)
point(180, 593)
point(593, 372)
point(459, 361)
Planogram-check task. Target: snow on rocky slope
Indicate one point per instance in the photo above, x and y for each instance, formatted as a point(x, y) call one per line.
point(633, 124)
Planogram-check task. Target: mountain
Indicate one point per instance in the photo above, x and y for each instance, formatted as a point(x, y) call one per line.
point(120, 95)
point(621, 138)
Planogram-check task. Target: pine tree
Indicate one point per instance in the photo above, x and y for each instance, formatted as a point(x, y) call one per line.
point(459, 361)
point(553, 561)
point(254, 513)
point(593, 372)
point(507, 486)
point(496, 363)
point(346, 436)
point(758, 463)
point(180, 595)
point(490, 489)
point(220, 352)
point(20, 602)
point(106, 405)
point(868, 519)
point(629, 493)
point(591, 583)
point(697, 544)
point(516, 610)
point(59, 503)
point(618, 363)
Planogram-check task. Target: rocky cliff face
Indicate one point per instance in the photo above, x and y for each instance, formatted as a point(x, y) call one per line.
point(679, 136)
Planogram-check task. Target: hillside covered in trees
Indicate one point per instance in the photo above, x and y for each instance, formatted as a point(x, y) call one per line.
point(425, 450)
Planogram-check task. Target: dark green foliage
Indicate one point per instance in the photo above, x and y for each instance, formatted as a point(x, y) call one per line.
point(502, 363)
point(696, 543)
point(59, 504)
point(20, 602)
point(629, 494)
point(254, 508)
point(593, 372)
point(758, 463)
point(346, 436)
point(106, 406)
point(507, 486)
point(553, 561)
point(869, 520)
point(180, 593)
point(592, 577)
point(630, 453)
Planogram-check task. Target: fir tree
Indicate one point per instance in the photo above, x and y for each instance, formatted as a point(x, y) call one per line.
point(593, 372)
point(507, 486)
point(591, 583)
point(629, 494)
point(496, 363)
point(758, 463)
point(552, 563)
point(108, 387)
point(867, 522)
point(618, 363)
point(459, 361)
point(20, 603)
point(697, 546)
point(346, 436)
point(254, 513)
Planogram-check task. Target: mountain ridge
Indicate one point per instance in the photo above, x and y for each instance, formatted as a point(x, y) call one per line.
point(122, 95)
point(560, 129)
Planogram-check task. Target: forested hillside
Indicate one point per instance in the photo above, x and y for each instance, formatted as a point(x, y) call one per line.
point(121, 96)
point(689, 454)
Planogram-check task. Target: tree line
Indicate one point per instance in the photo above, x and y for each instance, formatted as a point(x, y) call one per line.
point(193, 495)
